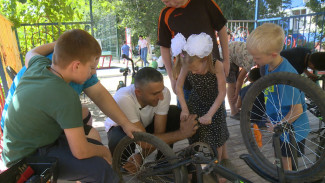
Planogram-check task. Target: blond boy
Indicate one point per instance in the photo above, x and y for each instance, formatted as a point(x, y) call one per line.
point(265, 44)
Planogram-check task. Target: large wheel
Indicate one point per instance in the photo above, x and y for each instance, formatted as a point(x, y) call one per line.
point(311, 164)
point(145, 147)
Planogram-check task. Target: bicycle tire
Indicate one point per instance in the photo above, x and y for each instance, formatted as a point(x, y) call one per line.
point(179, 173)
point(314, 171)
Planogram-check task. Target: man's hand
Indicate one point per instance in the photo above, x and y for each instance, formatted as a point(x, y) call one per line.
point(129, 128)
point(313, 77)
point(206, 119)
point(189, 126)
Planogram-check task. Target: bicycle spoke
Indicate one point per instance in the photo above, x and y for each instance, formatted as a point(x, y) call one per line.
point(135, 160)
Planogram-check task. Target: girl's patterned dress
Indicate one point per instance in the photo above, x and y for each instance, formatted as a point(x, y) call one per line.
point(203, 94)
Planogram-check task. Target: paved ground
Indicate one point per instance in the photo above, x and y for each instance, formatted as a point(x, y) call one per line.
point(110, 79)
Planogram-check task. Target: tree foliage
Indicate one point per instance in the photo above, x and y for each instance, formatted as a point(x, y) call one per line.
point(39, 11)
point(139, 15)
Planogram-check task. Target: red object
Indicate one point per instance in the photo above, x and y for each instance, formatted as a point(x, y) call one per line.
point(26, 175)
point(110, 60)
point(258, 135)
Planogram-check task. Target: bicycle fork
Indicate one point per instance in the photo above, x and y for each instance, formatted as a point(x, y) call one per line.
point(278, 130)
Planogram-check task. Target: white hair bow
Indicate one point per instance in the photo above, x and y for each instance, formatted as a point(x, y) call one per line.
point(196, 45)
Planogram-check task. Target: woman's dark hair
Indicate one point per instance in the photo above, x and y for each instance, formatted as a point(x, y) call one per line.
point(254, 74)
point(318, 60)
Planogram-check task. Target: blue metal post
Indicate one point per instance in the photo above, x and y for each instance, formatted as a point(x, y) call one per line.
point(256, 13)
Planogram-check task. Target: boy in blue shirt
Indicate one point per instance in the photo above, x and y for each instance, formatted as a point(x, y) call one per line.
point(265, 44)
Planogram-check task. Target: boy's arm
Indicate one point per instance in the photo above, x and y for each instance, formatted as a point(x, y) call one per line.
point(223, 37)
point(40, 50)
point(206, 119)
point(105, 102)
point(294, 113)
point(166, 57)
point(180, 93)
point(82, 149)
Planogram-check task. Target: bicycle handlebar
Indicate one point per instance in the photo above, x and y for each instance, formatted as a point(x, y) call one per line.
point(129, 59)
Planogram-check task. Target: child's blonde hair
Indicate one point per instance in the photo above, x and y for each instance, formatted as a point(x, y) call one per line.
point(266, 38)
point(185, 59)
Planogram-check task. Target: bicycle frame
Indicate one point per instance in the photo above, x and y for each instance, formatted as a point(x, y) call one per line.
point(125, 72)
point(197, 160)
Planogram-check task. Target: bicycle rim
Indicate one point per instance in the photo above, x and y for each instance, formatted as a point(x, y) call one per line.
point(311, 165)
point(146, 147)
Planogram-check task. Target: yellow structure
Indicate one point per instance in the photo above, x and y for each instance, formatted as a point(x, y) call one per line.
point(9, 52)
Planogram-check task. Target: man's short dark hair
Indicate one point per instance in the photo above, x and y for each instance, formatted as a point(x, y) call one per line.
point(141, 36)
point(147, 75)
point(254, 74)
point(318, 60)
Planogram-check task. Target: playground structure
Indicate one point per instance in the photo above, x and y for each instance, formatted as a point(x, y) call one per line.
point(300, 30)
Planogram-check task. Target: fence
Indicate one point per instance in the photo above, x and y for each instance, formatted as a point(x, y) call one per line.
point(300, 30)
point(33, 35)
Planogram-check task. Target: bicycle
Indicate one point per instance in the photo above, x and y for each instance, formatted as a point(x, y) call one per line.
point(171, 167)
point(308, 165)
point(126, 71)
point(168, 167)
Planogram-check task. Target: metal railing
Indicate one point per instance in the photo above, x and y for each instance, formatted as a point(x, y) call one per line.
point(300, 30)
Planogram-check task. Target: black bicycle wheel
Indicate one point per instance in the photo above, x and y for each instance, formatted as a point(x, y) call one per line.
point(310, 164)
point(154, 157)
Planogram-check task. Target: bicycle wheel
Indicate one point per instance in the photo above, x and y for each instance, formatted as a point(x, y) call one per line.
point(154, 157)
point(310, 166)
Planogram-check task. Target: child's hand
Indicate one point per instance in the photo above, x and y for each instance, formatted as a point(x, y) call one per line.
point(184, 114)
point(206, 119)
point(189, 126)
point(270, 126)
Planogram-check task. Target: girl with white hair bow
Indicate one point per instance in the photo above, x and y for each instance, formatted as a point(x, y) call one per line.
point(207, 78)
